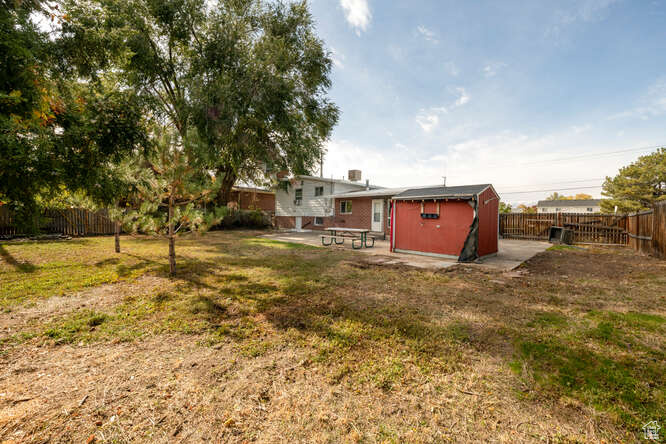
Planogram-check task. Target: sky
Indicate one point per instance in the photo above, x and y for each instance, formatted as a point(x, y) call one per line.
point(528, 96)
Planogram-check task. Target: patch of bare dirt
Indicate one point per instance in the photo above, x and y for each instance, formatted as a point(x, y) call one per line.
point(613, 263)
point(94, 298)
point(170, 389)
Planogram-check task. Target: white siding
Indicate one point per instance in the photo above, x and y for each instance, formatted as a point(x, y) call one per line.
point(311, 205)
point(565, 209)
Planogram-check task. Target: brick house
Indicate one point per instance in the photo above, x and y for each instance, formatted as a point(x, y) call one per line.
point(306, 202)
point(370, 209)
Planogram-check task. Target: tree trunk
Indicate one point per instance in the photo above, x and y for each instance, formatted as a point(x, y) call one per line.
point(228, 181)
point(172, 240)
point(117, 236)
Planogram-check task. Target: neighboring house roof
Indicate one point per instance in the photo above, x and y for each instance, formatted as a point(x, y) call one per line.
point(569, 203)
point(457, 192)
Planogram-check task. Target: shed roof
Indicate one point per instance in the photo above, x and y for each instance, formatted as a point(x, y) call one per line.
point(569, 203)
point(457, 192)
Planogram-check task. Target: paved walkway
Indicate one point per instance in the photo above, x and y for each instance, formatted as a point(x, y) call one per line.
point(511, 252)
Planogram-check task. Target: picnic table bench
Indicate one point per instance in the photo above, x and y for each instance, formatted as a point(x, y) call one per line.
point(359, 237)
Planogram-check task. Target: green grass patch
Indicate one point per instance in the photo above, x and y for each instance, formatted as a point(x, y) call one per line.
point(548, 319)
point(560, 247)
point(282, 245)
point(376, 328)
point(630, 389)
point(630, 320)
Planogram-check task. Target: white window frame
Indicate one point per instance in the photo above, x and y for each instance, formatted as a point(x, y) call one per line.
point(298, 200)
point(318, 224)
point(319, 191)
point(348, 207)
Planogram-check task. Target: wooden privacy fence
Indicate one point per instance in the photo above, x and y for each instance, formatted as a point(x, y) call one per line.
point(70, 221)
point(588, 228)
point(80, 222)
point(647, 230)
point(659, 230)
point(639, 231)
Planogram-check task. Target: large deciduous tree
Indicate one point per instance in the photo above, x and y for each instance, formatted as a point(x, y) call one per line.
point(250, 75)
point(55, 130)
point(637, 186)
point(263, 81)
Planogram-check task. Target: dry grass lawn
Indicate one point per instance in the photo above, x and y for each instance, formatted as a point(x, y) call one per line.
point(263, 341)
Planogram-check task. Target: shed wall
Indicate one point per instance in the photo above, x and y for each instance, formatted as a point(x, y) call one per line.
point(445, 235)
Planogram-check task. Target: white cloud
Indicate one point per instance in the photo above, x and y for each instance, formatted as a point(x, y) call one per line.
point(338, 58)
point(512, 161)
point(401, 165)
point(583, 11)
point(463, 97)
point(427, 34)
point(650, 104)
point(427, 120)
point(578, 129)
point(357, 13)
point(490, 70)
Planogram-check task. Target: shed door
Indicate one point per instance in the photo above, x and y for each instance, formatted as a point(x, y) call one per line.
point(377, 215)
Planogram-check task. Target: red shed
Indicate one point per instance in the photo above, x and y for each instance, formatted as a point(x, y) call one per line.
point(454, 222)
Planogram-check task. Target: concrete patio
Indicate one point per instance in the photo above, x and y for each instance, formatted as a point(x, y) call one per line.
point(511, 253)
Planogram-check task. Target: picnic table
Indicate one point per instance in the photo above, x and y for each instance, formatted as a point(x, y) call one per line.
point(338, 235)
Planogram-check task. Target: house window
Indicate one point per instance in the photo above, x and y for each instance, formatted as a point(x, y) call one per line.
point(298, 197)
point(319, 220)
point(345, 207)
point(558, 210)
point(319, 191)
point(590, 210)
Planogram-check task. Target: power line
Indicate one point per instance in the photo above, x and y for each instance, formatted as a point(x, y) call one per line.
point(552, 183)
point(602, 154)
point(554, 189)
point(582, 156)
